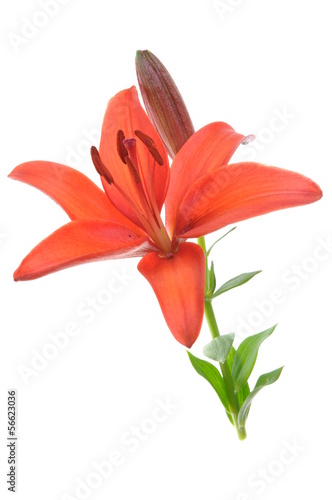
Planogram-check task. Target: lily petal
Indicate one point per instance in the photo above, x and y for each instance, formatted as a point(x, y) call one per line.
point(79, 197)
point(210, 147)
point(124, 112)
point(178, 283)
point(78, 242)
point(240, 191)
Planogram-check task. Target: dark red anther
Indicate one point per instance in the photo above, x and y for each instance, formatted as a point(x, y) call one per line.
point(150, 144)
point(120, 146)
point(99, 166)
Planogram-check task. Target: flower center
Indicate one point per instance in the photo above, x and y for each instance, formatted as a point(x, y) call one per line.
point(145, 206)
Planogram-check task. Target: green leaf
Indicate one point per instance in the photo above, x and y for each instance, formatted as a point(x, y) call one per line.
point(246, 355)
point(230, 417)
point(230, 358)
point(211, 374)
point(263, 381)
point(209, 250)
point(244, 391)
point(234, 282)
point(211, 280)
point(219, 348)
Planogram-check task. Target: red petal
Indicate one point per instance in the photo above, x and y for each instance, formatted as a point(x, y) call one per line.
point(78, 242)
point(73, 191)
point(237, 192)
point(178, 283)
point(124, 112)
point(210, 147)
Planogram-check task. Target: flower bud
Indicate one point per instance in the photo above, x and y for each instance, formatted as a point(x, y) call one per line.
point(163, 102)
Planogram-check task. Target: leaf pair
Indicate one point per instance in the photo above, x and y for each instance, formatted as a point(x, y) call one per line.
point(240, 364)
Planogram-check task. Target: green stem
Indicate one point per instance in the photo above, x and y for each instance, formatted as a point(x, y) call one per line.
point(214, 330)
point(201, 242)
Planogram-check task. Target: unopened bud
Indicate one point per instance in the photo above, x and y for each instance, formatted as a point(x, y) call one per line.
point(163, 102)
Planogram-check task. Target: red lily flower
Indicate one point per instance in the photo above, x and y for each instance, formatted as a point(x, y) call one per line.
point(202, 193)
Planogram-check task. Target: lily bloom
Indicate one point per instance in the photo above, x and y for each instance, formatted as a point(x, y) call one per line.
point(201, 193)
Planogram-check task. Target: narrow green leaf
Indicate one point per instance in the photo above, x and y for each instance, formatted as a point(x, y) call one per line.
point(230, 358)
point(211, 374)
point(212, 280)
point(219, 348)
point(244, 391)
point(234, 282)
point(246, 355)
point(209, 250)
point(263, 381)
point(230, 417)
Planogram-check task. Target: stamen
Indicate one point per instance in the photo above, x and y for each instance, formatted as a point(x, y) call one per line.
point(120, 146)
point(150, 144)
point(99, 166)
point(133, 170)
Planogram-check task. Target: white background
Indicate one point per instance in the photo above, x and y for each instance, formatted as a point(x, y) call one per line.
point(237, 61)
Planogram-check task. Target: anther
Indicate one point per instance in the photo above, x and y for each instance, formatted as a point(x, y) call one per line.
point(99, 166)
point(150, 144)
point(120, 146)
